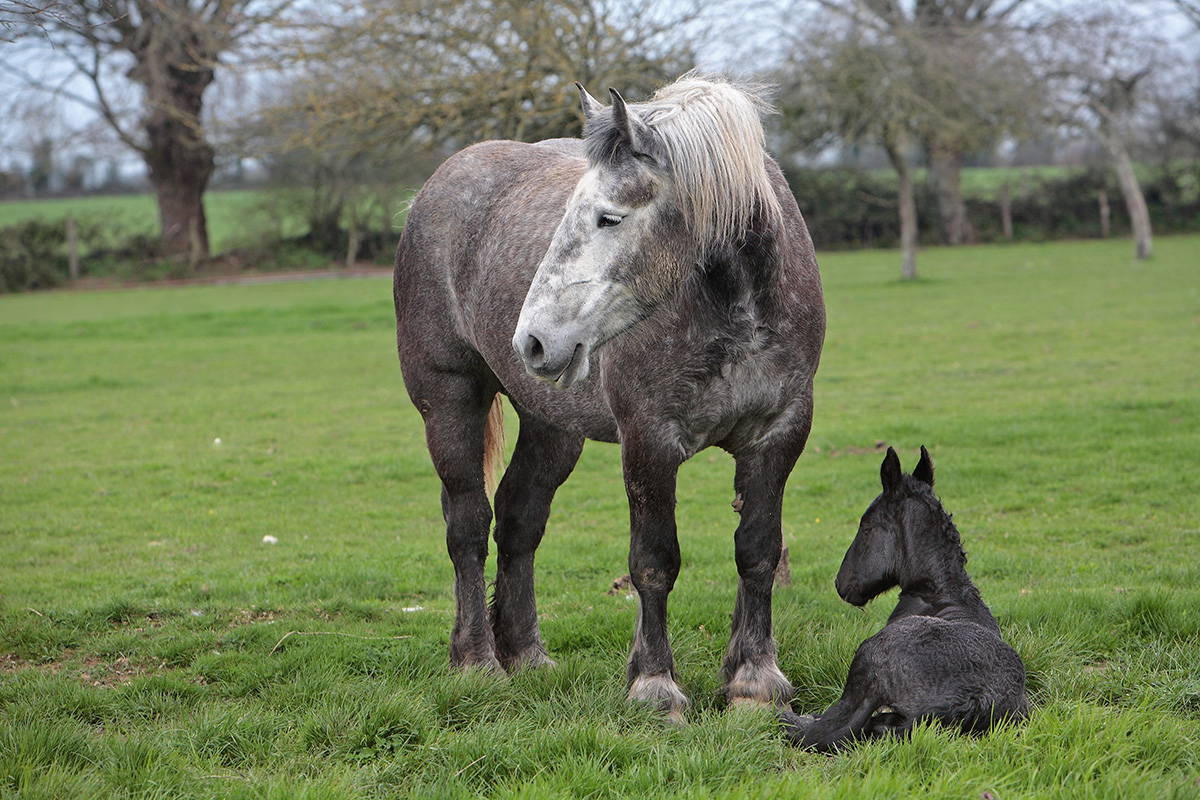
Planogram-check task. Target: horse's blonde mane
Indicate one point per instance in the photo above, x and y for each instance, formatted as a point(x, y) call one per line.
point(713, 134)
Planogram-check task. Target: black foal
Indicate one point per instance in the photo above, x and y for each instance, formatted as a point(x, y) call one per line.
point(940, 655)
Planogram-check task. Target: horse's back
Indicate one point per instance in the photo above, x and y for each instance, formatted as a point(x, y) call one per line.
point(459, 204)
point(474, 237)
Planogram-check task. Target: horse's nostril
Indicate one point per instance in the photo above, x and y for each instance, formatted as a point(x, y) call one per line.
point(534, 351)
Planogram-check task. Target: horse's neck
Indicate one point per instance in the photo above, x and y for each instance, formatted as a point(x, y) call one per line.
point(956, 600)
point(745, 273)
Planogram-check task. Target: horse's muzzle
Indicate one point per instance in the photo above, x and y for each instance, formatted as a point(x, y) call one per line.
point(558, 360)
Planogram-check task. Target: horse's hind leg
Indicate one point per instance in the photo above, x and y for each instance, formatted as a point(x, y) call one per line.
point(454, 432)
point(752, 676)
point(543, 458)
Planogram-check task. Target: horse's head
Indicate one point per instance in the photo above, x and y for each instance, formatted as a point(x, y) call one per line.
point(897, 537)
point(668, 183)
point(622, 246)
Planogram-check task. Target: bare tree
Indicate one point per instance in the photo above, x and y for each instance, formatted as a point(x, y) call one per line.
point(170, 50)
point(849, 84)
point(1098, 62)
point(448, 74)
point(18, 17)
point(1191, 10)
point(965, 61)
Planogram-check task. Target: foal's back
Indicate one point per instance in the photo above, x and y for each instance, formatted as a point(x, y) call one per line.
point(959, 673)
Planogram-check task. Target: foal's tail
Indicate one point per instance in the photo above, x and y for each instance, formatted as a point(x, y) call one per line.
point(493, 446)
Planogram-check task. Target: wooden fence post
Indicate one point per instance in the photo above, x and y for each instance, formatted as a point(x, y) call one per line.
point(73, 248)
point(1006, 212)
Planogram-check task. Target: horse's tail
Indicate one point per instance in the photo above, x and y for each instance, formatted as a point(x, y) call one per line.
point(493, 446)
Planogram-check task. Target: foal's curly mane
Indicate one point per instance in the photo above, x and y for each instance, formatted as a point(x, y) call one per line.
point(945, 520)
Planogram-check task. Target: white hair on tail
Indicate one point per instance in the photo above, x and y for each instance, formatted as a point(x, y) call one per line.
point(712, 131)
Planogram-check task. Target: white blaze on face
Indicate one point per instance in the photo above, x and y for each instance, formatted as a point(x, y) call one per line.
point(580, 297)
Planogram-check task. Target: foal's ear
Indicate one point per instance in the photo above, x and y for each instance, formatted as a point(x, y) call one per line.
point(889, 473)
point(924, 470)
point(632, 128)
point(591, 106)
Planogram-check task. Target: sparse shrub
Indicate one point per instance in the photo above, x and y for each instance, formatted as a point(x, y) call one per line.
point(32, 256)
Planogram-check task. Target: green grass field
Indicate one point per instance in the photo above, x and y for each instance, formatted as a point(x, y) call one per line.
point(152, 645)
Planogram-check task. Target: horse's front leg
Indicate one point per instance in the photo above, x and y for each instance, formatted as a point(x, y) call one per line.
point(752, 676)
point(653, 567)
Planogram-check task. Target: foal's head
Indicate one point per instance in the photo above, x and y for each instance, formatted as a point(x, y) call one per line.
point(905, 538)
point(666, 180)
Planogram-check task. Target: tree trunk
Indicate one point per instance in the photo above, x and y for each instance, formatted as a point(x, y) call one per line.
point(72, 248)
point(908, 212)
point(908, 227)
point(181, 214)
point(352, 247)
point(1105, 215)
point(1135, 202)
point(945, 179)
point(174, 69)
point(783, 570)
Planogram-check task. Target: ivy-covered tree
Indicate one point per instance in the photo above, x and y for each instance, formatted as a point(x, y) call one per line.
point(170, 50)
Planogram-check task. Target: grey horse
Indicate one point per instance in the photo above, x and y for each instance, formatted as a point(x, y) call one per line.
point(652, 284)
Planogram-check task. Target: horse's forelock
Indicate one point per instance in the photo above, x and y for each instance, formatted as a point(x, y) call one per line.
point(712, 133)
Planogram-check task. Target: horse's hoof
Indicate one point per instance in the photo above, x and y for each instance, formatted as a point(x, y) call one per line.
point(534, 658)
point(484, 666)
point(759, 684)
point(662, 692)
point(751, 704)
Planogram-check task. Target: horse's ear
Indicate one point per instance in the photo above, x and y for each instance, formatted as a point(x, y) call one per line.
point(924, 470)
point(591, 106)
point(634, 131)
point(890, 473)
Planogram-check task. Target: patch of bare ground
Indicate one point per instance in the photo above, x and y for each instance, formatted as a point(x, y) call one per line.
point(850, 450)
point(249, 616)
point(99, 673)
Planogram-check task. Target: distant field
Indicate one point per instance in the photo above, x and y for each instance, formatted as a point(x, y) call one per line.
point(239, 217)
point(235, 218)
point(152, 645)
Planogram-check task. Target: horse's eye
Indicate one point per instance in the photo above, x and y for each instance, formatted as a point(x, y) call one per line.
point(608, 220)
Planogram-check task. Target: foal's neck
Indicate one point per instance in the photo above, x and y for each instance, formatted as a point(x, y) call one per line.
point(949, 595)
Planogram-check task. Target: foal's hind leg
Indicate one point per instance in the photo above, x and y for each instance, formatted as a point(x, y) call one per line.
point(454, 433)
point(542, 460)
point(752, 676)
point(845, 721)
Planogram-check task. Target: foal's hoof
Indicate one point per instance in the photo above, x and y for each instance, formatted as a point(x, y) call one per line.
point(796, 725)
point(662, 692)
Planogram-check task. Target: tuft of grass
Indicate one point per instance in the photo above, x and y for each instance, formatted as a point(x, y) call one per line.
point(153, 645)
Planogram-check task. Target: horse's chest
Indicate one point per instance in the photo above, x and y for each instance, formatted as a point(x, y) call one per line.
point(738, 404)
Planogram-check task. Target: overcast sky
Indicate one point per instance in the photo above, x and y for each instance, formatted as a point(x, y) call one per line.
point(748, 43)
